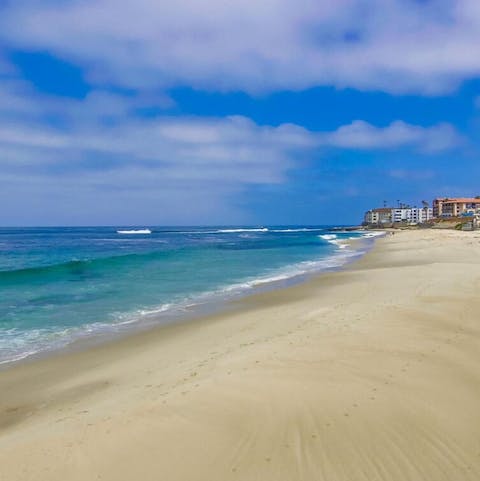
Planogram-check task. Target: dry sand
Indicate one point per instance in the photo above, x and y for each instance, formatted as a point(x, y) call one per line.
point(372, 373)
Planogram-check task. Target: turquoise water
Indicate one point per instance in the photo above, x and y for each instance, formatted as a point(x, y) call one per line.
point(61, 284)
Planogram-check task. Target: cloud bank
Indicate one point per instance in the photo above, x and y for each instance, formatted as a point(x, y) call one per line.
point(167, 170)
point(164, 167)
point(393, 45)
point(103, 156)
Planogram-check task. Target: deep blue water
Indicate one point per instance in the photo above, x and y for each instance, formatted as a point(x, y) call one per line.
point(60, 284)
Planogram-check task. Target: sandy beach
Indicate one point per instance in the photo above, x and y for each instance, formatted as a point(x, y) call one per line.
point(370, 373)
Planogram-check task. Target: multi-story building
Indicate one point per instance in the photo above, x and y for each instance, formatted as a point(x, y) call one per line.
point(382, 215)
point(412, 215)
point(420, 215)
point(443, 207)
point(454, 207)
point(401, 214)
point(409, 215)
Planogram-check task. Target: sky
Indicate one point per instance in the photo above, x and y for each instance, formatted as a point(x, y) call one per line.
point(202, 112)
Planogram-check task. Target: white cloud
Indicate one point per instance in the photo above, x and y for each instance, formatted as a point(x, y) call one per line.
point(233, 148)
point(171, 169)
point(393, 45)
point(99, 159)
point(362, 135)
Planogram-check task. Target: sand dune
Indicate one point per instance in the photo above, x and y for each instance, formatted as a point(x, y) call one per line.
point(372, 373)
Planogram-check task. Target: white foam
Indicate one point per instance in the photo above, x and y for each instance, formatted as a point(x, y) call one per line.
point(296, 270)
point(297, 230)
point(333, 239)
point(232, 231)
point(374, 234)
point(132, 232)
point(149, 312)
point(239, 230)
point(16, 344)
point(18, 357)
point(220, 231)
point(328, 236)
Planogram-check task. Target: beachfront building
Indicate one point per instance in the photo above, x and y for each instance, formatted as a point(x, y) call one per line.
point(412, 215)
point(382, 215)
point(420, 215)
point(466, 209)
point(454, 207)
point(400, 215)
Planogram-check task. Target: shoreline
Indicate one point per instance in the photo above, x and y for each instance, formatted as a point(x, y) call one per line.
point(215, 303)
point(370, 372)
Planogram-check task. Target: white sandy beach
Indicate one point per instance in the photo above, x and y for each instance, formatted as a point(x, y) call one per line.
point(371, 373)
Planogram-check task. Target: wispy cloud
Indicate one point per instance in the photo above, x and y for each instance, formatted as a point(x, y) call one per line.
point(362, 135)
point(397, 46)
point(98, 155)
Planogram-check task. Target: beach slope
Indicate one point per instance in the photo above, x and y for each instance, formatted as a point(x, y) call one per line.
point(370, 373)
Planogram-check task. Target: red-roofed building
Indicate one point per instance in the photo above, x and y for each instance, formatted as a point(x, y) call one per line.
point(454, 207)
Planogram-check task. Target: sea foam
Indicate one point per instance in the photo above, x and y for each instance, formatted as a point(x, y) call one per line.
point(133, 232)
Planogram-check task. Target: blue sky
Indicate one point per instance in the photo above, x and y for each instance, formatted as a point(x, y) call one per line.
point(212, 112)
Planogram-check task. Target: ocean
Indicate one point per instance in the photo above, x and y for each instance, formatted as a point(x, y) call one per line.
point(59, 285)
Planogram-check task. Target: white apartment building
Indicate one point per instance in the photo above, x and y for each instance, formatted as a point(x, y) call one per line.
point(413, 215)
point(407, 215)
point(401, 214)
point(419, 215)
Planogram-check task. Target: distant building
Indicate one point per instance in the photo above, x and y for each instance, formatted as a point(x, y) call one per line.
point(404, 215)
point(382, 215)
point(465, 208)
point(420, 215)
point(401, 214)
point(454, 207)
